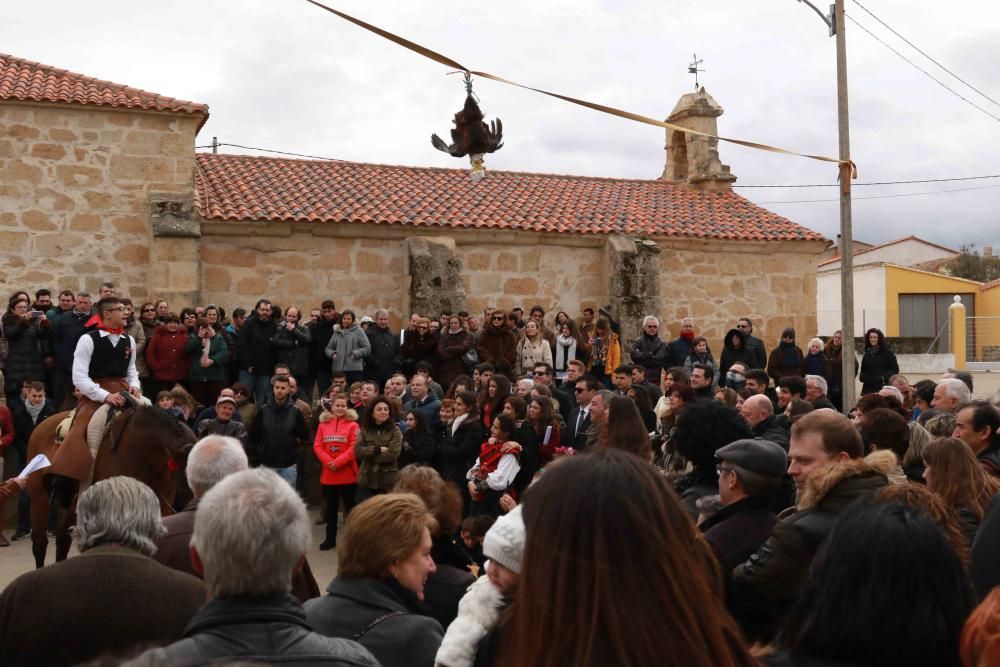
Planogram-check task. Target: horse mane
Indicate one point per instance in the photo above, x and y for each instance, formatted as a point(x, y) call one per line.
point(162, 420)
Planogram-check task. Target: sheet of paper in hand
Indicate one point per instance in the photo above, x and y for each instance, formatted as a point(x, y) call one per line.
point(37, 463)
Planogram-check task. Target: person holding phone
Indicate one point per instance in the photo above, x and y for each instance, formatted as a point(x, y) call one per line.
point(29, 340)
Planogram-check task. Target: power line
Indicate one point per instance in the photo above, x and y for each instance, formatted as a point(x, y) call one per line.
point(854, 185)
point(272, 150)
point(907, 194)
point(925, 72)
point(924, 54)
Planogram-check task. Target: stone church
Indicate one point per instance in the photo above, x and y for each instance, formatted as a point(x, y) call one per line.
point(100, 181)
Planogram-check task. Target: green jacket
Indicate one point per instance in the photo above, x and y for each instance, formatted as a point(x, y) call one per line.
point(217, 352)
point(377, 470)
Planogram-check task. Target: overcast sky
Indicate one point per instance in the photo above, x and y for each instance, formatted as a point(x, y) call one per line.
point(284, 74)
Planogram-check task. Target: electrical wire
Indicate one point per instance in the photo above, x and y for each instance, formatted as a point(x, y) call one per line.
point(925, 72)
point(854, 185)
point(924, 54)
point(906, 194)
point(272, 150)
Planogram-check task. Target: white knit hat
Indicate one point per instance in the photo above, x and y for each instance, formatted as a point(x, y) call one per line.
point(504, 541)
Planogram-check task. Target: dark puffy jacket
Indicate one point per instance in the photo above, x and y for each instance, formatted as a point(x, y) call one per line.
point(383, 616)
point(253, 344)
point(270, 629)
point(66, 331)
point(319, 335)
point(766, 585)
point(878, 364)
point(166, 355)
point(23, 426)
point(731, 355)
point(677, 353)
point(458, 452)
point(417, 348)
point(383, 360)
point(29, 341)
point(650, 352)
point(757, 351)
point(276, 434)
point(769, 429)
point(293, 349)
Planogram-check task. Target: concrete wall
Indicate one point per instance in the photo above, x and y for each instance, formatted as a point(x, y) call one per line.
point(74, 185)
point(869, 300)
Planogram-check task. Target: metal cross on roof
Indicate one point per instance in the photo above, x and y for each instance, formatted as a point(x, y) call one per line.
point(693, 69)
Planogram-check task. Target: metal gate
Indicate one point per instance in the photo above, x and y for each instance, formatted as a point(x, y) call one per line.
point(983, 343)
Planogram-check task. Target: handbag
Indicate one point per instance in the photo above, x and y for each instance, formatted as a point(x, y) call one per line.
point(471, 358)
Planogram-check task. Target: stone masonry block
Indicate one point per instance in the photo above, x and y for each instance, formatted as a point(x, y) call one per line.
point(48, 151)
point(79, 176)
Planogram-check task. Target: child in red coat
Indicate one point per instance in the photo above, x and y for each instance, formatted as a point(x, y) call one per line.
point(334, 447)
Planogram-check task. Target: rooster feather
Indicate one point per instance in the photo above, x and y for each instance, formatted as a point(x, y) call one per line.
point(471, 135)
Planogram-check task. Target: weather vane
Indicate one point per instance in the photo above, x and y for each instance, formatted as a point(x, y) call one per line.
point(693, 69)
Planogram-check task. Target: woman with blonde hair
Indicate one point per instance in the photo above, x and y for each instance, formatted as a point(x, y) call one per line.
point(532, 349)
point(384, 560)
point(953, 472)
point(446, 586)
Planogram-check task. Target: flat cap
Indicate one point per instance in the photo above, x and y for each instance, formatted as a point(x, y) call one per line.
point(756, 455)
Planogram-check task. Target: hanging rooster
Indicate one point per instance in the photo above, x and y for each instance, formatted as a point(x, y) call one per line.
point(472, 136)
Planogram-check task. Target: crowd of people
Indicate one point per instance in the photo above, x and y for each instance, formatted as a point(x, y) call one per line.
point(513, 493)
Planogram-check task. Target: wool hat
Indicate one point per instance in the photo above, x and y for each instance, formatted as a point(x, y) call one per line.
point(504, 541)
point(225, 399)
point(760, 456)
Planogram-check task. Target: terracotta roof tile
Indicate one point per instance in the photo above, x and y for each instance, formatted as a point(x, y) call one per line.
point(28, 81)
point(239, 187)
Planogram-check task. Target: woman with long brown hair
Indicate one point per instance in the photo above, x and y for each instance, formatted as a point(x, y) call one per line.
point(491, 402)
point(953, 472)
point(592, 579)
point(625, 430)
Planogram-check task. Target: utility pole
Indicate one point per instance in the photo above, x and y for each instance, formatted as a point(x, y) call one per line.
point(835, 21)
point(846, 231)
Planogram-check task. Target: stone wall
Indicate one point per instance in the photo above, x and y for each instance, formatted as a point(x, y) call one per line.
point(290, 266)
point(557, 277)
point(715, 282)
point(74, 188)
point(364, 267)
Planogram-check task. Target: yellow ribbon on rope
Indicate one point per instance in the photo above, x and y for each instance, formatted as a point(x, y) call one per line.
point(845, 166)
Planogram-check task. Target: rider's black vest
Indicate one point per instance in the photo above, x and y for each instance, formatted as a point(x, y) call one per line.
point(110, 361)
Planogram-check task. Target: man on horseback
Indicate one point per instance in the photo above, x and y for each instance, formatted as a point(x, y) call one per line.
point(103, 367)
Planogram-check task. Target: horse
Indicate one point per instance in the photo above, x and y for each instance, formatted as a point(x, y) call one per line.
point(144, 442)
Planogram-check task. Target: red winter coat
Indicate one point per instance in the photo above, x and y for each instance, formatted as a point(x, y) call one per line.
point(335, 442)
point(6, 427)
point(165, 355)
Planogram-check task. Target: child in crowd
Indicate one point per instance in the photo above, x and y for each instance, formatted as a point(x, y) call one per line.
point(474, 530)
point(475, 629)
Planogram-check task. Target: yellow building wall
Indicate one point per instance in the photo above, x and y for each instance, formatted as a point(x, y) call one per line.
point(988, 330)
point(900, 280)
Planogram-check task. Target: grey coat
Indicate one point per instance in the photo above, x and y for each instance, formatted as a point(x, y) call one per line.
point(377, 617)
point(348, 349)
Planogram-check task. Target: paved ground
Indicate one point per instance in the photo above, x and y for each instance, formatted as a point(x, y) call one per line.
point(17, 559)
